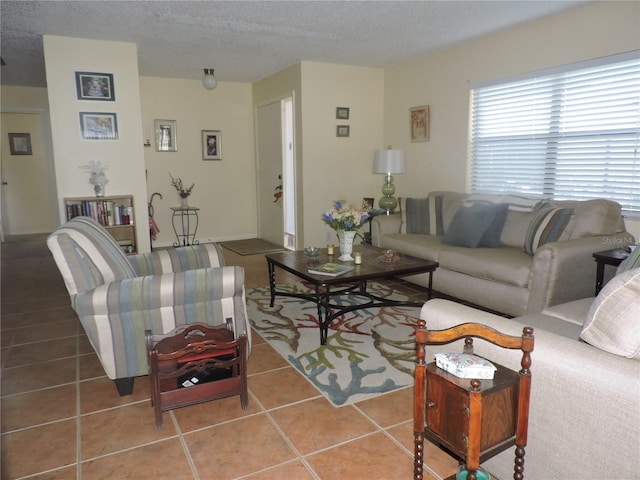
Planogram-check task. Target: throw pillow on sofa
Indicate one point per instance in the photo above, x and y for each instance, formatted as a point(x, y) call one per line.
point(613, 322)
point(470, 224)
point(546, 226)
point(422, 215)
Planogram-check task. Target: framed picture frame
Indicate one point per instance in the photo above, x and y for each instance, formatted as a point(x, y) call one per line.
point(343, 131)
point(166, 135)
point(342, 113)
point(419, 123)
point(211, 145)
point(99, 126)
point(20, 143)
point(369, 202)
point(95, 86)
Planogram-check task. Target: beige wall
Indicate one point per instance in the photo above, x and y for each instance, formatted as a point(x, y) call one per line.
point(224, 190)
point(337, 167)
point(34, 100)
point(330, 168)
point(441, 80)
point(63, 57)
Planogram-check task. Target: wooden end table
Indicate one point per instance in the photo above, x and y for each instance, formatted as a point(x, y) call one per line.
point(612, 257)
point(471, 419)
point(352, 283)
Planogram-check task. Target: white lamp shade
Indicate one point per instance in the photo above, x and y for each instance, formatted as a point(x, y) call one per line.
point(209, 81)
point(388, 162)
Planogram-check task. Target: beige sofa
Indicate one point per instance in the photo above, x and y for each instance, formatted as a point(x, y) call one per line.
point(584, 419)
point(504, 277)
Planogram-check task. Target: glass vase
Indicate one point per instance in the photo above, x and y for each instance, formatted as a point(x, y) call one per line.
point(346, 244)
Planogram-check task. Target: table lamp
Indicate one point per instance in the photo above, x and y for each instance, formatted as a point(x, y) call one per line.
point(388, 162)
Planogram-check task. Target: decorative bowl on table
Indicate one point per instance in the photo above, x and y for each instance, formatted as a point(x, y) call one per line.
point(312, 253)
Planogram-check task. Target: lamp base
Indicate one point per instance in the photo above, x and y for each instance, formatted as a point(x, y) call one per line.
point(388, 202)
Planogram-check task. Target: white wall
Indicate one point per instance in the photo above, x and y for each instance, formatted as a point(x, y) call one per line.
point(224, 190)
point(63, 57)
point(442, 80)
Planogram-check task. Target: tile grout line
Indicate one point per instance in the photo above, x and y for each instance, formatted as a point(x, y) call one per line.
point(78, 414)
point(185, 447)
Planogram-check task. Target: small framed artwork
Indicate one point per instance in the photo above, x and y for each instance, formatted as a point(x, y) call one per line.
point(99, 126)
point(166, 135)
point(95, 86)
point(367, 202)
point(20, 143)
point(342, 131)
point(211, 145)
point(342, 113)
point(419, 123)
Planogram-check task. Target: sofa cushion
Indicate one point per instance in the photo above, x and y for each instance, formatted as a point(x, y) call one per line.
point(414, 244)
point(594, 217)
point(422, 215)
point(613, 321)
point(469, 225)
point(510, 266)
point(547, 225)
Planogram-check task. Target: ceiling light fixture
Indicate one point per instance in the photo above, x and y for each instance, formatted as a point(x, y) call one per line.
point(209, 81)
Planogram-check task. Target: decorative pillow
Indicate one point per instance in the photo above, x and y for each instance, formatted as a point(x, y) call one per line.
point(546, 226)
point(613, 322)
point(422, 215)
point(491, 237)
point(632, 261)
point(469, 225)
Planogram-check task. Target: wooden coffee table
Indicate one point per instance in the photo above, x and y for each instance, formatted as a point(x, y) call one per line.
point(353, 283)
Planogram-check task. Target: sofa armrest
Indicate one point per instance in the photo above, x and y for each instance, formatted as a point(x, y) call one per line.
point(584, 416)
point(566, 270)
point(384, 225)
point(206, 255)
point(116, 315)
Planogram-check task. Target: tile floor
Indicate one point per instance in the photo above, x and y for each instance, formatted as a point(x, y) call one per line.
point(61, 418)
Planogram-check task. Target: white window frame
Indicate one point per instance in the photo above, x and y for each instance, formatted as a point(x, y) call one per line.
point(568, 141)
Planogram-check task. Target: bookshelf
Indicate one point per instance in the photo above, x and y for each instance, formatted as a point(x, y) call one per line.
point(115, 213)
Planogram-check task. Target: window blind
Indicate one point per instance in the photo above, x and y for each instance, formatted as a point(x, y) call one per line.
point(570, 134)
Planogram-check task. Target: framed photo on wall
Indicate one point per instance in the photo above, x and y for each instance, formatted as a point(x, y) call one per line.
point(166, 135)
point(99, 126)
point(95, 86)
point(20, 143)
point(342, 131)
point(342, 113)
point(419, 123)
point(211, 145)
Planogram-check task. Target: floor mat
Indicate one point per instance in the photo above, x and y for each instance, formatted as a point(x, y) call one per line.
point(251, 246)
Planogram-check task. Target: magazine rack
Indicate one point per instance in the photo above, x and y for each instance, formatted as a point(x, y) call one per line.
point(195, 363)
point(472, 419)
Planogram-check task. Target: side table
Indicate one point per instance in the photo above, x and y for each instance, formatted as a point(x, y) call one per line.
point(472, 419)
point(185, 220)
point(612, 257)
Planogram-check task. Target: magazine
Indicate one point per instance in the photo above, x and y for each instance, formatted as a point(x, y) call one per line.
point(331, 269)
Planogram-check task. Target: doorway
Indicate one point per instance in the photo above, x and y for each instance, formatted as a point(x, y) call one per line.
point(26, 206)
point(276, 173)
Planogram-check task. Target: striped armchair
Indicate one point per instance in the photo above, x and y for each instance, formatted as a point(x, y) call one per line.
point(117, 297)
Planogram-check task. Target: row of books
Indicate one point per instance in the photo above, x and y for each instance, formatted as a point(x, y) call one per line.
point(107, 212)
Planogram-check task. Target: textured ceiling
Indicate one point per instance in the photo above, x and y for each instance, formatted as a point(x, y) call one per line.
point(248, 40)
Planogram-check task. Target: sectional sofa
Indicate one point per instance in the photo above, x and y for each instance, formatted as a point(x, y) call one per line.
point(512, 254)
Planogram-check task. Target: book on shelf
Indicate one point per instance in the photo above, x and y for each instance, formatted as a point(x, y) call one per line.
point(465, 365)
point(331, 269)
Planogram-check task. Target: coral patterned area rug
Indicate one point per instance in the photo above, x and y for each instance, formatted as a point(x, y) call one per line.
point(368, 352)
